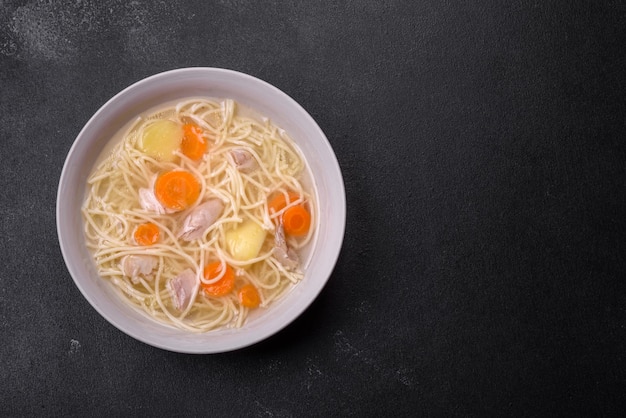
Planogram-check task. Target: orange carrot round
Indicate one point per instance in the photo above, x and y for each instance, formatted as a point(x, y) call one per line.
point(146, 234)
point(249, 296)
point(177, 190)
point(224, 285)
point(279, 202)
point(296, 221)
point(194, 144)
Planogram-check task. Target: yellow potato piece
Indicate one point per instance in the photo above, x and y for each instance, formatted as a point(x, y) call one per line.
point(162, 139)
point(245, 241)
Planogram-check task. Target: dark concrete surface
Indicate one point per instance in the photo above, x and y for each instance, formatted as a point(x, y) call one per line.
point(483, 150)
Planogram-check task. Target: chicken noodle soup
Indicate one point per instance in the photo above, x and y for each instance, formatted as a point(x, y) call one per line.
point(199, 214)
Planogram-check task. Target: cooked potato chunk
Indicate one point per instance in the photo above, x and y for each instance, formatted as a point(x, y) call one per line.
point(245, 241)
point(162, 139)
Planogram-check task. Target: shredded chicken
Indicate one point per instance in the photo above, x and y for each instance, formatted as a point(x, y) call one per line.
point(285, 255)
point(135, 265)
point(148, 201)
point(200, 219)
point(244, 161)
point(181, 288)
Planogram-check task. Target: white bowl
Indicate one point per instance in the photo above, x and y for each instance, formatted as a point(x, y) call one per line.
point(209, 82)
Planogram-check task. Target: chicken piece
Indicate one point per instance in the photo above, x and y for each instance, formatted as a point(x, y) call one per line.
point(135, 265)
point(200, 219)
point(181, 288)
point(148, 201)
point(285, 255)
point(244, 161)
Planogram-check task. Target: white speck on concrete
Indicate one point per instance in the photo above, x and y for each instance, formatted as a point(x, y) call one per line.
point(74, 346)
point(43, 32)
point(348, 350)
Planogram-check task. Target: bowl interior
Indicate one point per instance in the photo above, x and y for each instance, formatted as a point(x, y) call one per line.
point(203, 82)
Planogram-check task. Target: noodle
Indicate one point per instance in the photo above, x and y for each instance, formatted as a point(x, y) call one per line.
point(112, 210)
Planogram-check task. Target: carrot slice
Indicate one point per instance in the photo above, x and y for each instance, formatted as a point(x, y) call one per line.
point(224, 285)
point(278, 203)
point(249, 296)
point(297, 220)
point(194, 144)
point(177, 190)
point(146, 234)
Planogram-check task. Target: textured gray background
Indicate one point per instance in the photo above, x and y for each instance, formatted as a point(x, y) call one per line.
point(482, 146)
